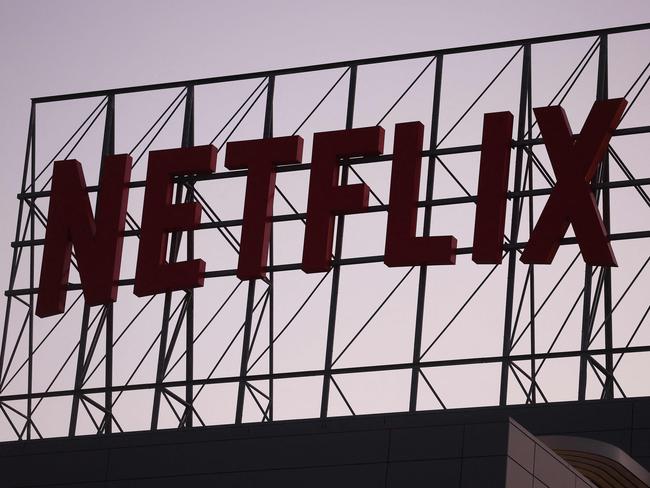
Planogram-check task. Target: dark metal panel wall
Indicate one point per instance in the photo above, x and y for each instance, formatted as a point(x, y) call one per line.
point(460, 448)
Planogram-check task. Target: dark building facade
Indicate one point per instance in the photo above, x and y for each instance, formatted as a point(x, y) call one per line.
point(478, 447)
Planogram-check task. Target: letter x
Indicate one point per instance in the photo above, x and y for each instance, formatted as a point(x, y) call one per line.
point(575, 161)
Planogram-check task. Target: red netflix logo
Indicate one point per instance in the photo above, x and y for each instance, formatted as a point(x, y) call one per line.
point(98, 241)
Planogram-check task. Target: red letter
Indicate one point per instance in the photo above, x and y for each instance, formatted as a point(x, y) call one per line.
point(153, 273)
point(259, 156)
point(403, 248)
point(97, 243)
point(490, 218)
point(572, 201)
point(326, 197)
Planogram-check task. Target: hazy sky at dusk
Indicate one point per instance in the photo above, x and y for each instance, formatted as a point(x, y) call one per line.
point(70, 46)
point(57, 47)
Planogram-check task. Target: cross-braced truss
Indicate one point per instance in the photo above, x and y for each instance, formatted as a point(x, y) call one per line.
point(361, 337)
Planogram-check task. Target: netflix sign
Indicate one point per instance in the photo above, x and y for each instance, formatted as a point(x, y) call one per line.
point(97, 240)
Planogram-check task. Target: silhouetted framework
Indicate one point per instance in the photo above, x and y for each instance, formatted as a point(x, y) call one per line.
point(178, 331)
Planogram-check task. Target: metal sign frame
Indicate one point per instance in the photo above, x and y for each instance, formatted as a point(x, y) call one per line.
point(178, 321)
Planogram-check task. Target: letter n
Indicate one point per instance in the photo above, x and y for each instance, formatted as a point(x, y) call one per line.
point(97, 242)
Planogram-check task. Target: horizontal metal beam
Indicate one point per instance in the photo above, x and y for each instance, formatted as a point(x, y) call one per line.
point(290, 168)
point(623, 236)
point(345, 64)
point(438, 202)
point(336, 371)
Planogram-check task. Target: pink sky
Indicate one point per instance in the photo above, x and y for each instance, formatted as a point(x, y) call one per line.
point(50, 48)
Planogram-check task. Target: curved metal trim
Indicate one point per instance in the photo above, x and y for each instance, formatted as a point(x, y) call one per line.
point(598, 460)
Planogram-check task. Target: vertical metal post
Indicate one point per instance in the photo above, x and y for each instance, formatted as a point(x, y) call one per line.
point(108, 373)
point(155, 412)
point(81, 357)
point(585, 335)
point(514, 226)
point(531, 268)
point(271, 312)
point(250, 300)
point(268, 132)
point(250, 303)
point(271, 328)
point(107, 150)
point(30, 350)
point(163, 353)
point(336, 269)
point(602, 94)
point(422, 283)
point(188, 141)
point(15, 260)
point(589, 309)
